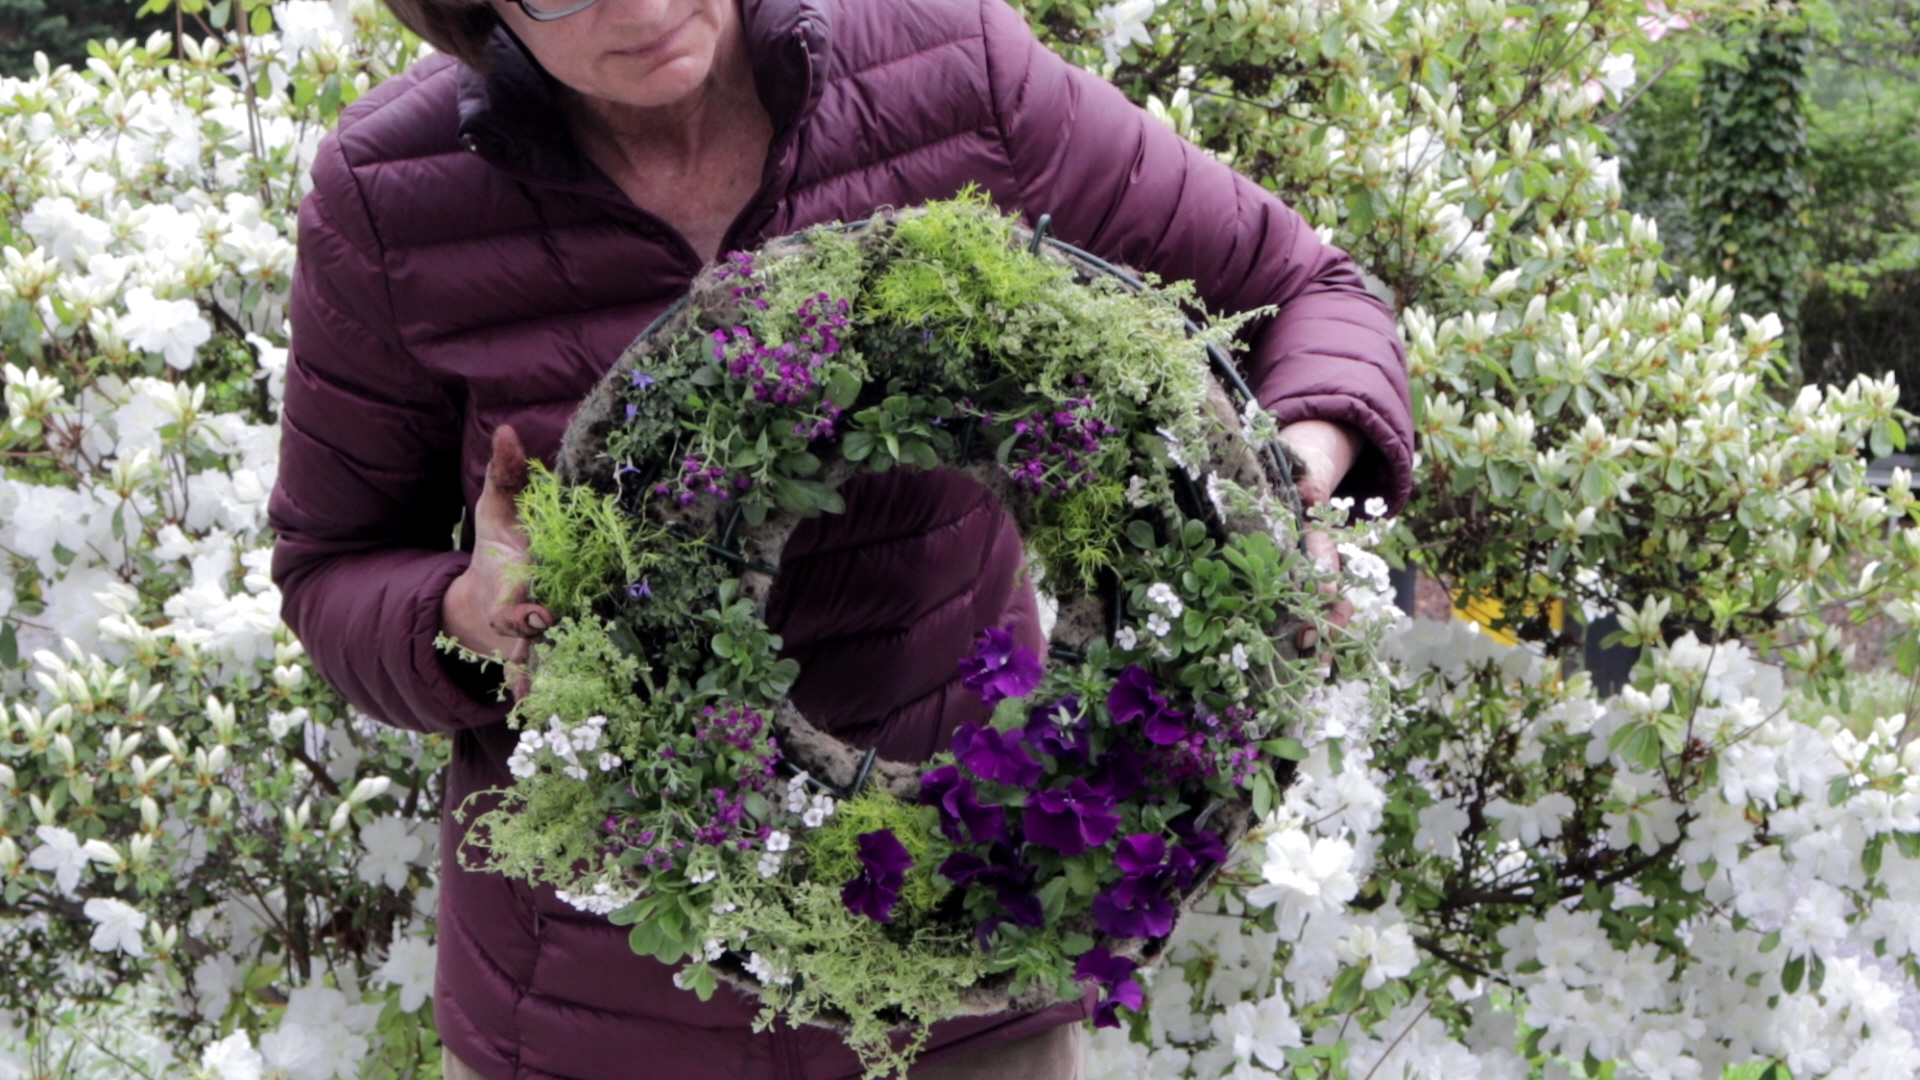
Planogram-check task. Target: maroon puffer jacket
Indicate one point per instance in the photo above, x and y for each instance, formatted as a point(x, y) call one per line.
point(463, 266)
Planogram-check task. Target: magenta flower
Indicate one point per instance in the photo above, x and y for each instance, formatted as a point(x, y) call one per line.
point(1134, 697)
point(992, 755)
point(1071, 819)
point(883, 870)
point(1114, 976)
point(960, 809)
point(999, 668)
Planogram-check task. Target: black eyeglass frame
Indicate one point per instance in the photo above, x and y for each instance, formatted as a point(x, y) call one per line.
point(549, 16)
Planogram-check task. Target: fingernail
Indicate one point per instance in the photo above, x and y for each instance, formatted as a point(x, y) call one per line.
point(1308, 639)
point(536, 620)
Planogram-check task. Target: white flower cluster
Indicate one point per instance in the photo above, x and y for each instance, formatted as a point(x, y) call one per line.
point(814, 810)
point(600, 898)
point(561, 746)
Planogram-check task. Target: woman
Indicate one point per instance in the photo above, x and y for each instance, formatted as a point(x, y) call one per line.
point(489, 230)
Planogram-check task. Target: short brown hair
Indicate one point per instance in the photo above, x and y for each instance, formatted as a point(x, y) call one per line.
point(456, 27)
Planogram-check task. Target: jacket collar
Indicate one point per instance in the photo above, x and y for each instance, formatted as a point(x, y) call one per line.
point(511, 116)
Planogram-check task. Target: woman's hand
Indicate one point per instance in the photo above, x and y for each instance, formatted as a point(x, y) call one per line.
point(1328, 450)
point(486, 608)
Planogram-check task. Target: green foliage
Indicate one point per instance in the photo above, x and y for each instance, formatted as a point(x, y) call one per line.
point(832, 850)
point(1753, 194)
point(838, 960)
point(581, 547)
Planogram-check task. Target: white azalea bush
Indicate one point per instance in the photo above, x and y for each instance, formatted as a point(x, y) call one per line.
point(193, 829)
point(1491, 870)
point(1483, 868)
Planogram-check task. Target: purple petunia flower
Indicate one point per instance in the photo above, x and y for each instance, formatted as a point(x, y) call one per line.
point(1201, 845)
point(1071, 819)
point(1137, 905)
point(991, 755)
point(1118, 774)
point(1134, 908)
point(1010, 879)
point(883, 870)
point(1114, 976)
point(960, 808)
point(1058, 730)
point(1134, 697)
point(999, 668)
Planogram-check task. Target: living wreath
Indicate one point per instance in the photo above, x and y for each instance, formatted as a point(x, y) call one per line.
point(662, 778)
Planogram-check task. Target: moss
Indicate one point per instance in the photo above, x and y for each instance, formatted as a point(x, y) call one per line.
point(833, 849)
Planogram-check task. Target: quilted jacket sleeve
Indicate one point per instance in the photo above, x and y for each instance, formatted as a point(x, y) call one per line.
point(1120, 183)
point(368, 494)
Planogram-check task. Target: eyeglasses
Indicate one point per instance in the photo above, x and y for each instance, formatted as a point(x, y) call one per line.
point(549, 10)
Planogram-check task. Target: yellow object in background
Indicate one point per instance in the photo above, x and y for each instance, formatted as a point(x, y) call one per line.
point(1486, 611)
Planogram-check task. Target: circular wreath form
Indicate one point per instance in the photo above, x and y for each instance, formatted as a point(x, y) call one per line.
point(664, 779)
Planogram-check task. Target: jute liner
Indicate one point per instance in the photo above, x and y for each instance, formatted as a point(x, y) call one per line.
point(1082, 618)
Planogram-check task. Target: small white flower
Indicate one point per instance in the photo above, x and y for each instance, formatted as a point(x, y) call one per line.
point(119, 926)
point(713, 949)
point(172, 328)
point(769, 864)
point(391, 848)
point(725, 909)
point(1158, 625)
point(1124, 23)
point(1375, 507)
point(1239, 656)
point(1137, 491)
point(232, 1058)
point(797, 794)
point(701, 877)
point(778, 841)
point(578, 772)
point(761, 968)
point(1162, 594)
point(609, 762)
point(409, 967)
point(1126, 638)
point(61, 854)
point(818, 811)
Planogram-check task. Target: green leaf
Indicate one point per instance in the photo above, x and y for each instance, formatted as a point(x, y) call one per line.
point(1770, 942)
point(1792, 973)
point(1286, 748)
point(842, 387)
point(261, 21)
point(857, 446)
point(1140, 534)
point(9, 644)
point(1346, 990)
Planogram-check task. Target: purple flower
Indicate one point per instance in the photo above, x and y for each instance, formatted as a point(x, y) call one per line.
point(992, 755)
point(1114, 976)
point(945, 788)
point(1134, 908)
point(1117, 774)
point(1137, 905)
point(1010, 879)
point(1071, 819)
point(640, 590)
point(1134, 697)
point(1199, 845)
point(1058, 730)
point(1000, 669)
point(642, 380)
point(883, 870)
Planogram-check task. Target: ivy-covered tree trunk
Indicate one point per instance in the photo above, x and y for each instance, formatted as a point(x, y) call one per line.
point(1752, 195)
